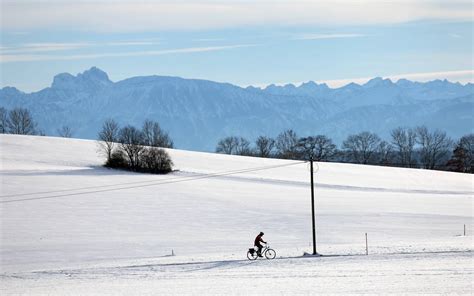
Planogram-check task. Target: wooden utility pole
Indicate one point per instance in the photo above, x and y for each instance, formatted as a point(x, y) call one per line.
point(312, 208)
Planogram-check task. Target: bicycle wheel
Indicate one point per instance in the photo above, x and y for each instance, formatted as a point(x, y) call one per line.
point(252, 255)
point(270, 254)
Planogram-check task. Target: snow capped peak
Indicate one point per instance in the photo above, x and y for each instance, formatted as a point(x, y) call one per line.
point(439, 82)
point(288, 86)
point(309, 88)
point(311, 85)
point(93, 78)
point(95, 73)
point(378, 81)
point(62, 80)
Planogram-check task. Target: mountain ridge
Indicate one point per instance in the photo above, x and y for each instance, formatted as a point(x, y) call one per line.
point(96, 72)
point(198, 112)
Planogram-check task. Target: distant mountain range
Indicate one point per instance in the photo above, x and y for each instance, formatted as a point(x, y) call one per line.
point(197, 113)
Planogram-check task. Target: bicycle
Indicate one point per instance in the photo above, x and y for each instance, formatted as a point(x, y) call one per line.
point(269, 253)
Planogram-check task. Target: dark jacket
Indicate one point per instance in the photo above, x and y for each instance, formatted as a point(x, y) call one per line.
point(259, 239)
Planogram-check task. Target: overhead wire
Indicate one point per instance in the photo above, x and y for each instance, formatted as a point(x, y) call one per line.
point(85, 188)
point(162, 182)
point(110, 185)
point(76, 189)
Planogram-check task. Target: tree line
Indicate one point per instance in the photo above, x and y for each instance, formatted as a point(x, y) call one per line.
point(408, 147)
point(134, 149)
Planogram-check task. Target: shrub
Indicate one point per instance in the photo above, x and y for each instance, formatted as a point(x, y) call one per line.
point(155, 160)
point(117, 160)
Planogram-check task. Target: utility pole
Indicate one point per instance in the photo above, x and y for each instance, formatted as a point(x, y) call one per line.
point(312, 207)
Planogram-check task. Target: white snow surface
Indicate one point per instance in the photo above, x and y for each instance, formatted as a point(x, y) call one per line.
point(71, 227)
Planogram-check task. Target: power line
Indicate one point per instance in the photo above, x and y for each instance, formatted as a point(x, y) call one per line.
point(81, 188)
point(168, 181)
point(163, 182)
point(116, 184)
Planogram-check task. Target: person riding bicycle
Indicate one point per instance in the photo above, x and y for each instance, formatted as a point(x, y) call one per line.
point(257, 242)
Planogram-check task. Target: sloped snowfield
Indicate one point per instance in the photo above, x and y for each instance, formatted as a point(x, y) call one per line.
point(69, 226)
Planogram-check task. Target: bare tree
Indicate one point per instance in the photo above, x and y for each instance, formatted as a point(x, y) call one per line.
point(108, 137)
point(320, 148)
point(434, 147)
point(404, 140)
point(155, 136)
point(148, 135)
point(131, 140)
point(234, 145)
point(385, 153)
point(362, 147)
point(3, 120)
point(287, 144)
point(227, 145)
point(65, 131)
point(21, 122)
point(243, 147)
point(264, 146)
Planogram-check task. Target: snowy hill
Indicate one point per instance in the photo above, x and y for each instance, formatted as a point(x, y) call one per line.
point(197, 113)
point(69, 226)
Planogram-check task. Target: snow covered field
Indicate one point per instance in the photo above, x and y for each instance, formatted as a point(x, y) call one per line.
point(69, 226)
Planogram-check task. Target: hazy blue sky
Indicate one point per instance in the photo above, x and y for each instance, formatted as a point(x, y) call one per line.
point(243, 42)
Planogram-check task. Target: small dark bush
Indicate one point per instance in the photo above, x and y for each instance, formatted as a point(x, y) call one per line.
point(117, 160)
point(155, 160)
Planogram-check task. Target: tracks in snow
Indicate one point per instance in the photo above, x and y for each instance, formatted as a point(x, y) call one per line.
point(180, 269)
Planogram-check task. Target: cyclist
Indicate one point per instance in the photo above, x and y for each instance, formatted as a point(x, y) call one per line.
point(257, 242)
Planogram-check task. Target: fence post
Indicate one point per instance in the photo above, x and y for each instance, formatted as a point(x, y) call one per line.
point(366, 245)
point(464, 229)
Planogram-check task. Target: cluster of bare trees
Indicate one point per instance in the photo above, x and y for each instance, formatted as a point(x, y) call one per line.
point(286, 145)
point(134, 149)
point(408, 147)
point(17, 121)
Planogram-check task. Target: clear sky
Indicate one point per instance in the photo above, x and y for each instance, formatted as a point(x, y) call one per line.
point(238, 41)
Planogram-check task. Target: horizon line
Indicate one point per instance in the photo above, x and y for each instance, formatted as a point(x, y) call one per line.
point(424, 77)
